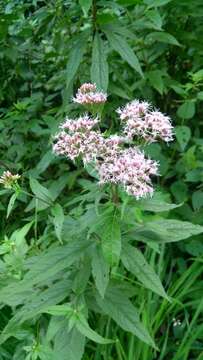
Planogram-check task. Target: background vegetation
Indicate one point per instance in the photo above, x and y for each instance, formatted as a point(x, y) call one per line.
point(146, 49)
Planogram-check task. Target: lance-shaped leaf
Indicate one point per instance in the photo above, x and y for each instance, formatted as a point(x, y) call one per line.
point(11, 204)
point(111, 237)
point(135, 262)
point(165, 230)
point(68, 344)
point(84, 328)
point(100, 270)
point(75, 59)
point(99, 68)
point(121, 310)
point(120, 45)
point(156, 204)
point(59, 310)
point(47, 265)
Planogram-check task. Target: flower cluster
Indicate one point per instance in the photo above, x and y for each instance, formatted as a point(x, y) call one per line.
point(77, 139)
point(9, 180)
point(130, 169)
point(140, 121)
point(114, 160)
point(83, 124)
point(89, 95)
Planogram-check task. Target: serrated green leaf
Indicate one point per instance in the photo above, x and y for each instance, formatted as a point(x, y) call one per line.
point(135, 262)
point(166, 230)
point(111, 238)
point(100, 270)
point(156, 204)
point(68, 342)
point(56, 323)
point(116, 305)
point(82, 277)
point(120, 45)
point(99, 68)
point(51, 262)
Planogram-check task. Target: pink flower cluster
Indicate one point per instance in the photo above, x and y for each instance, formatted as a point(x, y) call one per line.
point(89, 95)
point(83, 124)
point(130, 169)
point(77, 139)
point(141, 121)
point(115, 161)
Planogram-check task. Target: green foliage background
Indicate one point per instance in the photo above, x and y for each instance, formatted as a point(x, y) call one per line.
point(146, 49)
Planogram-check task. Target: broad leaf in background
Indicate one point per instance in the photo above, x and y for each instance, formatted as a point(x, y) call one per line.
point(180, 191)
point(186, 110)
point(99, 68)
point(156, 80)
point(183, 135)
point(135, 262)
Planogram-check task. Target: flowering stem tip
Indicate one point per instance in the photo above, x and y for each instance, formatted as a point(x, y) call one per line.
point(116, 162)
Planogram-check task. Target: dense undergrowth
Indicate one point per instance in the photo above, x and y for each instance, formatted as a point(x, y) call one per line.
point(64, 292)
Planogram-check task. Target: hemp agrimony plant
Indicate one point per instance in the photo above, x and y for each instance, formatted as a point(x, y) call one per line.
point(88, 267)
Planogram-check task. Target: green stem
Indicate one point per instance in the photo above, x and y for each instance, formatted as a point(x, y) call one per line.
point(114, 195)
